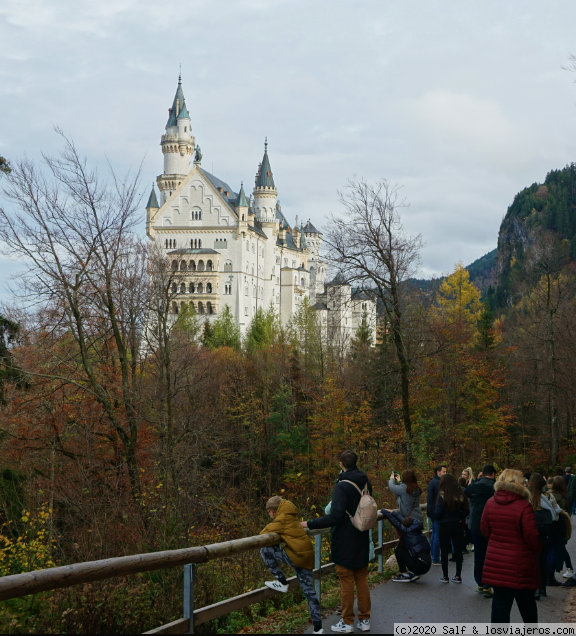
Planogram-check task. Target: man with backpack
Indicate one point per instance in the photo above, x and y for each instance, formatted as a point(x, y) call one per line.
point(350, 545)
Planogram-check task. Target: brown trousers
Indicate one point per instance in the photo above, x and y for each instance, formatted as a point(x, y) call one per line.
point(347, 579)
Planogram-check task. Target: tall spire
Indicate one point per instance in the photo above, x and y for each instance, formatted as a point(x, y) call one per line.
point(242, 201)
point(152, 200)
point(177, 104)
point(264, 178)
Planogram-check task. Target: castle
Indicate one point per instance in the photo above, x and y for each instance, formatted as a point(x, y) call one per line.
point(237, 250)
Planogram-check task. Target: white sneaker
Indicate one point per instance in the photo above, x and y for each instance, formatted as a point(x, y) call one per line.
point(363, 626)
point(320, 631)
point(342, 627)
point(568, 574)
point(276, 585)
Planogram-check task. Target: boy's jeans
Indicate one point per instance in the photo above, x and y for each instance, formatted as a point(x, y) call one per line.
point(435, 542)
point(275, 555)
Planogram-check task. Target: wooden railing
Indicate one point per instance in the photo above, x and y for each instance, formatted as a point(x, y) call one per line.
point(18, 585)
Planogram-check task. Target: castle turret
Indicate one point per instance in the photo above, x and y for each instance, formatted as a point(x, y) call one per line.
point(151, 208)
point(177, 146)
point(242, 205)
point(265, 193)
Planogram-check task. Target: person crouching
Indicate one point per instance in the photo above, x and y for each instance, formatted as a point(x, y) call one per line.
point(413, 552)
point(298, 554)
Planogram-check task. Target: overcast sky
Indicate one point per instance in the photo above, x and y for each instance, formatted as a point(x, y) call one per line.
point(462, 103)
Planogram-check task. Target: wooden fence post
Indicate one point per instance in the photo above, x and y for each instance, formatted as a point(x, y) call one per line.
point(318, 565)
point(380, 539)
point(189, 595)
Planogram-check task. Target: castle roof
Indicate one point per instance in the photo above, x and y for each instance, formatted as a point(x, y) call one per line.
point(264, 178)
point(183, 114)
point(222, 187)
point(177, 104)
point(242, 201)
point(187, 250)
point(152, 200)
point(310, 229)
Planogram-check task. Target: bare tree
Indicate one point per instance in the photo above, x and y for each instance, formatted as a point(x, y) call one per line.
point(370, 248)
point(85, 277)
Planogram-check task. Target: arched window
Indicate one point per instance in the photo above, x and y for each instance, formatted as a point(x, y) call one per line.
point(192, 266)
point(209, 308)
point(166, 243)
point(228, 289)
point(302, 282)
point(191, 244)
point(174, 265)
point(183, 266)
point(191, 288)
point(228, 266)
point(199, 243)
point(183, 288)
point(200, 266)
point(200, 288)
point(174, 308)
point(209, 266)
point(208, 288)
point(245, 290)
point(200, 307)
point(242, 217)
point(185, 128)
point(174, 288)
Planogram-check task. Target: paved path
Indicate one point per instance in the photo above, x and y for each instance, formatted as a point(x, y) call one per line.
point(428, 600)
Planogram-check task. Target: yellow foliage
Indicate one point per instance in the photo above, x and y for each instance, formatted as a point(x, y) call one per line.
point(458, 300)
point(33, 548)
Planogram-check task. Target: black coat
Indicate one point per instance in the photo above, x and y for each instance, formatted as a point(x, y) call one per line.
point(350, 547)
point(413, 539)
point(479, 493)
point(445, 515)
point(432, 496)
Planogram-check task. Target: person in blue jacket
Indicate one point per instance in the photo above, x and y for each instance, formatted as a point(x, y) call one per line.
point(431, 501)
point(413, 551)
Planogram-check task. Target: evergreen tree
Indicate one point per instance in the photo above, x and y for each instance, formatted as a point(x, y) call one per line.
point(264, 329)
point(225, 331)
point(207, 334)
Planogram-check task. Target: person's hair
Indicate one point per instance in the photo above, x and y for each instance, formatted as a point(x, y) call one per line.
point(273, 503)
point(568, 470)
point(439, 468)
point(510, 475)
point(470, 473)
point(550, 481)
point(536, 485)
point(349, 459)
point(462, 482)
point(407, 522)
point(450, 491)
point(488, 470)
point(410, 481)
point(559, 486)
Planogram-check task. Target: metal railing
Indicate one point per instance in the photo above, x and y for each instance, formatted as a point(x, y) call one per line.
point(18, 585)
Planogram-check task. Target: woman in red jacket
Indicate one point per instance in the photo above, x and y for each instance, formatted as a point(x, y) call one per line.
point(511, 565)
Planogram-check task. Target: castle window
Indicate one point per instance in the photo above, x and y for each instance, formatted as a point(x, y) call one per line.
point(174, 265)
point(183, 288)
point(174, 288)
point(252, 270)
point(254, 292)
point(285, 262)
point(192, 266)
point(183, 266)
point(228, 266)
point(200, 266)
point(209, 266)
point(191, 288)
point(278, 298)
point(209, 307)
point(174, 308)
point(208, 288)
point(245, 311)
point(185, 128)
point(253, 248)
point(227, 289)
point(302, 282)
point(245, 290)
point(199, 243)
point(166, 243)
point(247, 246)
point(201, 307)
point(200, 288)
point(277, 260)
point(364, 306)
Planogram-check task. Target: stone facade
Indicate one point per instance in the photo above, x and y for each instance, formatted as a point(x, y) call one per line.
point(237, 251)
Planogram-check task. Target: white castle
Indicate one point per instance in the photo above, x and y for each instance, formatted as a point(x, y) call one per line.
point(240, 251)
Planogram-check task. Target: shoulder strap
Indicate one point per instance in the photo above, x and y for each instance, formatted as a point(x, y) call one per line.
point(351, 482)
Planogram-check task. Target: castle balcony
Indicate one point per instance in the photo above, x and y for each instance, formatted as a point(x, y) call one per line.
point(168, 137)
point(204, 304)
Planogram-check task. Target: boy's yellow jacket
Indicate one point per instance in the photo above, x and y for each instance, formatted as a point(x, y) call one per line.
point(298, 545)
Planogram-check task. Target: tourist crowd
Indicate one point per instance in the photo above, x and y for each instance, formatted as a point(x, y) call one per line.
point(517, 525)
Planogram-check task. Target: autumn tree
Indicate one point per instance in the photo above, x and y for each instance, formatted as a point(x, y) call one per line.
point(370, 248)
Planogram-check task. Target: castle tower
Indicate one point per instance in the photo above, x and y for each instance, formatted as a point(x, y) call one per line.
point(177, 146)
point(151, 208)
point(265, 193)
point(316, 264)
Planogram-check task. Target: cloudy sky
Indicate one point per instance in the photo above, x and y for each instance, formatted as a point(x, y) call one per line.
point(462, 103)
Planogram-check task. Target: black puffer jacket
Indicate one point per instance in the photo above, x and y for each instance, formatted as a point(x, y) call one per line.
point(414, 541)
point(432, 496)
point(350, 547)
point(479, 493)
